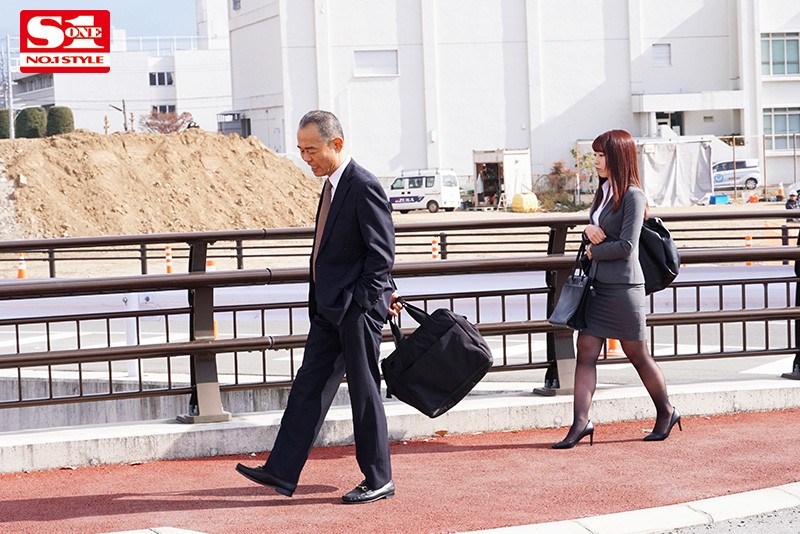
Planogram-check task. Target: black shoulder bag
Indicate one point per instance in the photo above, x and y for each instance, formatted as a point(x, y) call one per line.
point(570, 309)
point(658, 255)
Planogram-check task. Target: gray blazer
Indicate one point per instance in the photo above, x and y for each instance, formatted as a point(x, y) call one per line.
point(616, 260)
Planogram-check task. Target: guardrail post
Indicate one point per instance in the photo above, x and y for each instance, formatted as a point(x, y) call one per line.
point(795, 374)
point(785, 240)
point(205, 403)
point(239, 254)
point(559, 377)
point(442, 245)
point(51, 262)
point(143, 257)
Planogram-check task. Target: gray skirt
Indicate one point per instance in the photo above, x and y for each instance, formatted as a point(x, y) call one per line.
point(616, 311)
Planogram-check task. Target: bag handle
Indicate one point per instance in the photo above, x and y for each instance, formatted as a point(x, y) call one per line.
point(416, 313)
point(577, 267)
point(397, 334)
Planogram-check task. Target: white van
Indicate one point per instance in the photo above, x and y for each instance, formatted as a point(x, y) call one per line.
point(429, 189)
point(748, 176)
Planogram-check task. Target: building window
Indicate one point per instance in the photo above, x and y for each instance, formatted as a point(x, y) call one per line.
point(36, 83)
point(160, 78)
point(237, 4)
point(164, 108)
point(375, 62)
point(781, 128)
point(780, 54)
point(662, 55)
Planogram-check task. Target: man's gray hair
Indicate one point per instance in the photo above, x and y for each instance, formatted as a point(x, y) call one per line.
point(328, 125)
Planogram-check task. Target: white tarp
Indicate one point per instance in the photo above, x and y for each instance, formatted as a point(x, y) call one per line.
point(675, 174)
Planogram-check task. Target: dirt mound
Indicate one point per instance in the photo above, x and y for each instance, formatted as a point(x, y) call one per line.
point(87, 184)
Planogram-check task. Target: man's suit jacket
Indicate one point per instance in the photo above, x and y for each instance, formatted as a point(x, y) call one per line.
point(356, 251)
point(617, 258)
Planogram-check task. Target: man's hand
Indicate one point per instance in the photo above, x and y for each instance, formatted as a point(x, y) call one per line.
point(396, 306)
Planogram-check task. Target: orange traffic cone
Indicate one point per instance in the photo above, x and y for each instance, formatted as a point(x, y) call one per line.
point(22, 268)
point(435, 248)
point(613, 348)
point(780, 188)
point(168, 257)
point(211, 265)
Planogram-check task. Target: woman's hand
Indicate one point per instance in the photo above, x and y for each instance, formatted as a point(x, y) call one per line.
point(595, 234)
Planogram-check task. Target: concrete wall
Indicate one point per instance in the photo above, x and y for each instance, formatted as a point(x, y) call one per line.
point(90, 96)
point(123, 410)
point(203, 85)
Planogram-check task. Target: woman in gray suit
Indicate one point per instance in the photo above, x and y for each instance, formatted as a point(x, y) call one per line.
point(616, 307)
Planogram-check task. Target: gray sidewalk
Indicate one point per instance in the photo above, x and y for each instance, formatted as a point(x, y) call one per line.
point(493, 407)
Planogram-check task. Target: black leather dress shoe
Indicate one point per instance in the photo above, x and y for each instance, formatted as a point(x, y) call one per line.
point(363, 493)
point(260, 476)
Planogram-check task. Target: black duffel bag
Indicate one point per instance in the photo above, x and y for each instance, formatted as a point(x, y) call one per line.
point(438, 364)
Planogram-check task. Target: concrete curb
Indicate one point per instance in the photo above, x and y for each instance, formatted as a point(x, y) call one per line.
point(665, 518)
point(56, 448)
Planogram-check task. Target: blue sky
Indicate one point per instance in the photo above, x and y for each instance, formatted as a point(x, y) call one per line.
point(141, 18)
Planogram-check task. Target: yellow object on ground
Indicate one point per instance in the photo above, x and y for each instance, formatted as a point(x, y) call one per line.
point(524, 203)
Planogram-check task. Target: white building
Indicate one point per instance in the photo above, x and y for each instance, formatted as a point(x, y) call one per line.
point(175, 74)
point(421, 83)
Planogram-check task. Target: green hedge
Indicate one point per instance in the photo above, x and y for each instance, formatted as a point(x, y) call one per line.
point(3, 123)
point(31, 123)
point(59, 120)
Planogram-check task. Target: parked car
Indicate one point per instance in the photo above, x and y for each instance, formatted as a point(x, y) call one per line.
point(748, 175)
point(429, 189)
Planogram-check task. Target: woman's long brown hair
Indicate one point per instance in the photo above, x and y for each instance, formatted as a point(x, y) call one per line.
point(621, 162)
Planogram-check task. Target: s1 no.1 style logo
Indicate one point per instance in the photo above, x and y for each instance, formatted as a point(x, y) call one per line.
point(64, 41)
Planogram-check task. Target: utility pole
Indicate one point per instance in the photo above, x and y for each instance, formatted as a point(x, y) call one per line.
point(124, 114)
point(9, 89)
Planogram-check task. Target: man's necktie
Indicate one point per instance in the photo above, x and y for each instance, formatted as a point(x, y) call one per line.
point(324, 208)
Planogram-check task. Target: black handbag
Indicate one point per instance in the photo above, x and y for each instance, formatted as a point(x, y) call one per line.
point(570, 309)
point(658, 255)
point(438, 364)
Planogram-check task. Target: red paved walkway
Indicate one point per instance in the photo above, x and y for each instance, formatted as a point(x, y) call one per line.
point(445, 484)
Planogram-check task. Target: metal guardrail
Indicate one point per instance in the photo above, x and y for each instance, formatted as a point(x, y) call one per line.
point(263, 248)
point(257, 348)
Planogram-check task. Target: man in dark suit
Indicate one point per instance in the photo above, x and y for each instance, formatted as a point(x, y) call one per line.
point(350, 293)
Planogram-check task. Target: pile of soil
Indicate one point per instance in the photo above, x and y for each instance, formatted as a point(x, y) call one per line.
point(88, 184)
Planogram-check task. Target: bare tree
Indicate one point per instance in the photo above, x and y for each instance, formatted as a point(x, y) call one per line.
point(165, 122)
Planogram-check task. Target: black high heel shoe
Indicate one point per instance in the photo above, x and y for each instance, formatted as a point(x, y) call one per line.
point(568, 444)
point(659, 436)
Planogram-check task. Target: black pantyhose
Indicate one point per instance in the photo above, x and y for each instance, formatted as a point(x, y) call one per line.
point(586, 381)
